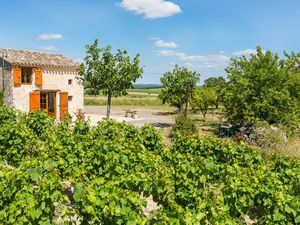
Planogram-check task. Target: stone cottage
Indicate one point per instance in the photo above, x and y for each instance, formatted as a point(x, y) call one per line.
point(40, 81)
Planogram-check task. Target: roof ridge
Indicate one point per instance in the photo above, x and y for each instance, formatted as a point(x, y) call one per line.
point(33, 51)
point(38, 58)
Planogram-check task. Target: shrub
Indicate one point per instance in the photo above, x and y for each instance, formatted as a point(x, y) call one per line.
point(269, 137)
point(184, 126)
point(7, 114)
point(39, 122)
point(264, 87)
point(151, 138)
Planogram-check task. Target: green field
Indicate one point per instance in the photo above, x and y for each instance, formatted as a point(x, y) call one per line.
point(145, 90)
point(122, 101)
point(135, 97)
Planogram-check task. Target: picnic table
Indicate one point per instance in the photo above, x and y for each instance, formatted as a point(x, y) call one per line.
point(131, 113)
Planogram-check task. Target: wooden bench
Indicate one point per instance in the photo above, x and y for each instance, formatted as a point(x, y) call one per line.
point(132, 113)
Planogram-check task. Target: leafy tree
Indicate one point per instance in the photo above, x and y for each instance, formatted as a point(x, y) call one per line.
point(215, 82)
point(202, 99)
point(108, 73)
point(264, 87)
point(218, 84)
point(178, 86)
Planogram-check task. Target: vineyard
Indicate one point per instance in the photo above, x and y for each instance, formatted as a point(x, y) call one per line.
point(71, 173)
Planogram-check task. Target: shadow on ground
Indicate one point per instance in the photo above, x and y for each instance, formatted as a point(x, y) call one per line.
point(161, 125)
point(164, 113)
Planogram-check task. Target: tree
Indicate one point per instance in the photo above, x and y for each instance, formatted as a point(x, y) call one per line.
point(215, 82)
point(108, 73)
point(202, 99)
point(178, 86)
point(264, 87)
point(218, 84)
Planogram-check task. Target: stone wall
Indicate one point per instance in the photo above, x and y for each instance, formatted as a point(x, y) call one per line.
point(56, 80)
point(8, 83)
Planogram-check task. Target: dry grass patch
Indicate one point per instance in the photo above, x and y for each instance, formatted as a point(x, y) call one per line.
point(292, 148)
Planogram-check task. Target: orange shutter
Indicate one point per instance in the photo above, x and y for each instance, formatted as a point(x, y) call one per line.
point(38, 77)
point(17, 76)
point(34, 101)
point(63, 105)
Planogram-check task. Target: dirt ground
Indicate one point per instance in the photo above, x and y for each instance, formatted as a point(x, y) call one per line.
point(161, 118)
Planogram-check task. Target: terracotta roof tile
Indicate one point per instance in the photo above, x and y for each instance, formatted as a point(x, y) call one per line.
point(32, 58)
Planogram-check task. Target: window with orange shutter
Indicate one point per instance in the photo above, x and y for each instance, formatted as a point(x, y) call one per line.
point(34, 101)
point(17, 76)
point(38, 77)
point(26, 75)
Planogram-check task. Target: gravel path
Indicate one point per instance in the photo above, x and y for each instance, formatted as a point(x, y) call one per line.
point(157, 117)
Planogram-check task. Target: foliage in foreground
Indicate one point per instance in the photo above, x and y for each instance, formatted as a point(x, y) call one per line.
point(220, 183)
point(184, 126)
point(72, 172)
point(52, 172)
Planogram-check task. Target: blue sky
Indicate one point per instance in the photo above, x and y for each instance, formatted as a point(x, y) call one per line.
point(200, 34)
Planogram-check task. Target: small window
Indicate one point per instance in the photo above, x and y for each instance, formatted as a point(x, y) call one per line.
point(26, 75)
point(70, 98)
point(43, 101)
point(70, 81)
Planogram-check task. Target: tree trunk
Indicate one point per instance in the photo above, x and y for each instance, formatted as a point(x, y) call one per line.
point(204, 114)
point(179, 109)
point(186, 107)
point(187, 98)
point(108, 106)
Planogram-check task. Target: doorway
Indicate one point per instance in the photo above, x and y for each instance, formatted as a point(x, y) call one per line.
point(48, 103)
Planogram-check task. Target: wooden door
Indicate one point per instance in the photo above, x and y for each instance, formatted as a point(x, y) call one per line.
point(52, 104)
point(64, 103)
point(34, 101)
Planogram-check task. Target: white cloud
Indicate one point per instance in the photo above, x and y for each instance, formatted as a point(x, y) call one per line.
point(245, 52)
point(163, 44)
point(151, 9)
point(196, 58)
point(49, 48)
point(45, 37)
point(202, 61)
